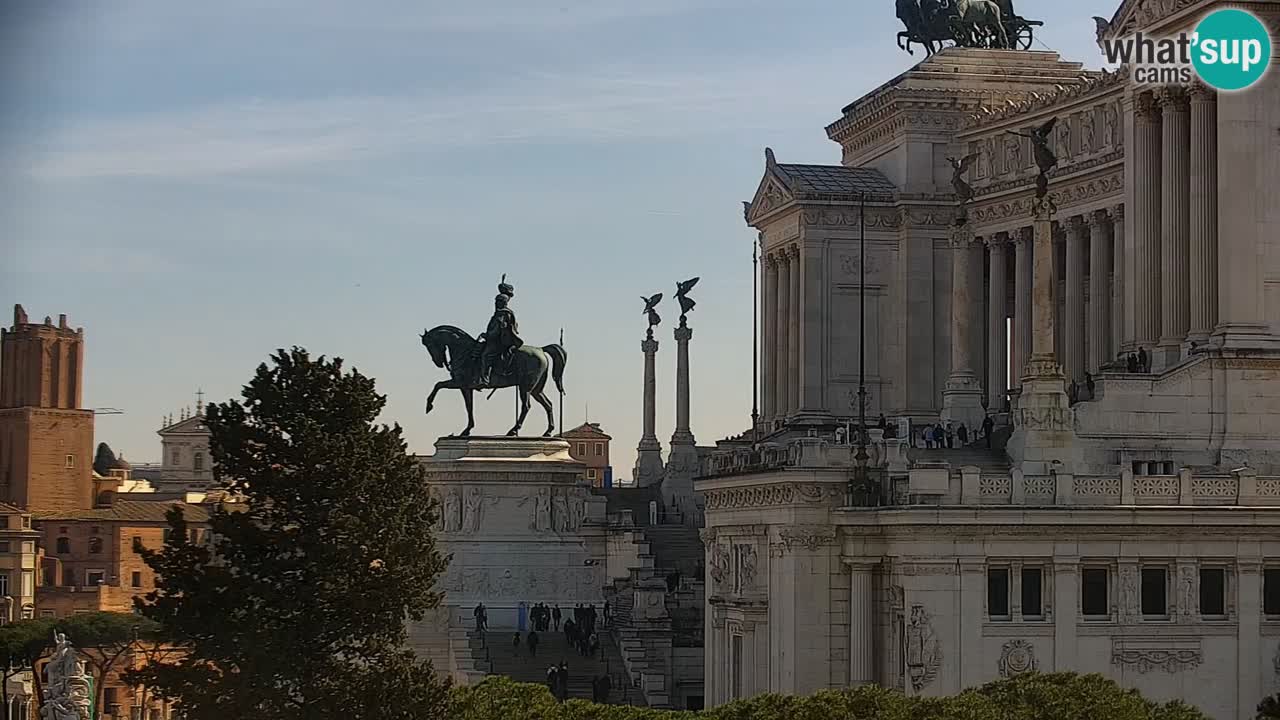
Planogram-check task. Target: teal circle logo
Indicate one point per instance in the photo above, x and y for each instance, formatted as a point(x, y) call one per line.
point(1231, 49)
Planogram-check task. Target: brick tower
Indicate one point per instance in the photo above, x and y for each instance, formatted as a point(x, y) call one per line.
point(46, 438)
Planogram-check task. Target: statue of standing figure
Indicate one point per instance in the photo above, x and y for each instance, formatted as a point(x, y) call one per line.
point(501, 337)
point(68, 693)
point(1041, 144)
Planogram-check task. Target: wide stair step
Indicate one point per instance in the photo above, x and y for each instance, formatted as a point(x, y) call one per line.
point(554, 648)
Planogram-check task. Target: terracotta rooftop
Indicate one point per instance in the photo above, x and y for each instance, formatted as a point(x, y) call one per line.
point(131, 511)
point(7, 508)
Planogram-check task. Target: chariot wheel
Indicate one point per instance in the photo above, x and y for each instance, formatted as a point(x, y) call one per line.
point(1022, 37)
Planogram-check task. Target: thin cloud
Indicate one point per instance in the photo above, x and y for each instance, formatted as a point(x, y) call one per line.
point(621, 104)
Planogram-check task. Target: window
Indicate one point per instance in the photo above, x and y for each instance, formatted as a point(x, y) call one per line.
point(71, 461)
point(136, 580)
point(1155, 590)
point(26, 522)
point(28, 612)
point(4, 546)
point(68, 576)
point(28, 583)
point(94, 577)
point(1093, 593)
point(29, 547)
point(46, 613)
point(599, 448)
point(1271, 591)
point(199, 461)
point(591, 473)
point(735, 667)
point(998, 593)
point(4, 584)
point(1032, 592)
point(63, 546)
point(137, 543)
point(109, 696)
point(582, 449)
point(176, 457)
point(95, 546)
point(1213, 591)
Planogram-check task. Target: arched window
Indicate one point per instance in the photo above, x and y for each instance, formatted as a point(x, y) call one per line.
point(95, 545)
point(199, 461)
point(63, 546)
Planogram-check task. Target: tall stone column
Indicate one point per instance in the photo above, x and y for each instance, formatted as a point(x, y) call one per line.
point(1175, 224)
point(862, 622)
point(1099, 291)
point(782, 352)
point(793, 350)
point(1022, 302)
point(1204, 213)
point(1117, 282)
point(997, 314)
point(1073, 330)
point(962, 397)
point(769, 333)
point(1146, 223)
point(682, 465)
point(649, 467)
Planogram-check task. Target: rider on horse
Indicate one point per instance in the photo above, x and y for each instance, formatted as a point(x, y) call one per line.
point(502, 336)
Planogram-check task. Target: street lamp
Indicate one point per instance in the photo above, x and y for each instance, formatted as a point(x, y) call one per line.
point(860, 483)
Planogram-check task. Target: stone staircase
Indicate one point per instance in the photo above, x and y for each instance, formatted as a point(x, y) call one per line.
point(675, 547)
point(553, 648)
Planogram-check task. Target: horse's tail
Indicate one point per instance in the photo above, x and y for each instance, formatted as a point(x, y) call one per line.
point(558, 358)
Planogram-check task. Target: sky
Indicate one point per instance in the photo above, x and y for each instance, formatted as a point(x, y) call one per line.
point(198, 184)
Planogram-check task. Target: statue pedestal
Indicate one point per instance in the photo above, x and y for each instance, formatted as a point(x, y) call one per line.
point(523, 528)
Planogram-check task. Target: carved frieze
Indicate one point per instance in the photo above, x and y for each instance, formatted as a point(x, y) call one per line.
point(1171, 655)
point(771, 495)
point(806, 537)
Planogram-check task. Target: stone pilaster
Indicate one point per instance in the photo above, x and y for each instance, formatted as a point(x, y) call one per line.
point(1118, 348)
point(1100, 294)
point(1146, 223)
point(1204, 213)
point(1024, 252)
point(862, 622)
point(648, 469)
point(1175, 224)
point(962, 397)
point(793, 319)
point(783, 335)
point(997, 315)
point(1073, 314)
point(769, 338)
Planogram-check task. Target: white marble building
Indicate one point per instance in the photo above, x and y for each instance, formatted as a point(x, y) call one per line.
point(1134, 534)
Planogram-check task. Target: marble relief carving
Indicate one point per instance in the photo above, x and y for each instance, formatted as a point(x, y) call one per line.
point(924, 654)
point(1187, 593)
point(1017, 657)
point(719, 566)
point(452, 510)
point(1128, 593)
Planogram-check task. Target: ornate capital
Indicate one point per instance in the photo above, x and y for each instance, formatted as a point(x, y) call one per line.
point(1201, 93)
point(997, 240)
point(1172, 99)
point(1145, 107)
point(793, 252)
point(1098, 220)
point(1024, 235)
point(1073, 227)
point(1117, 213)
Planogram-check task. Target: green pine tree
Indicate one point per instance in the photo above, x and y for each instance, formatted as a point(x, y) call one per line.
point(296, 606)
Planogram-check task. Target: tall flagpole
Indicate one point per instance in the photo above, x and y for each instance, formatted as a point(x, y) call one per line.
point(755, 343)
point(562, 389)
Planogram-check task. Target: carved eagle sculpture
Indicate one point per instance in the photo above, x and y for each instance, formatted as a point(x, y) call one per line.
point(649, 304)
point(1103, 27)
point(964, 193)
point(682, 294)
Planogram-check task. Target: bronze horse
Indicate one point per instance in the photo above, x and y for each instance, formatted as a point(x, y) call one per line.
point(528, 368)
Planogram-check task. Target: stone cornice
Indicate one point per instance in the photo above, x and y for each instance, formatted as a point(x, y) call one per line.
point(1011, 206)
point(1036, 105)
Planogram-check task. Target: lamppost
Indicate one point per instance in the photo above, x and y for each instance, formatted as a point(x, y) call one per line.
point(755, 346)
point(860, 483)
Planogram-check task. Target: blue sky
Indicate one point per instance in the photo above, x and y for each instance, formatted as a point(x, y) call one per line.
point(212, 181)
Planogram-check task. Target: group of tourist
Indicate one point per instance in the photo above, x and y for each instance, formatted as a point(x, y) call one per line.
point(942, 436)
point(544, 618)
point(581, 630)
point(1139, 362)
point(531, 641)
point(1073, 390)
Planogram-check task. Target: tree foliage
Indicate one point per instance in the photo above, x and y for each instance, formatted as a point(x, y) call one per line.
point(296, 606)
point(1057, 696)
point(1269, 708)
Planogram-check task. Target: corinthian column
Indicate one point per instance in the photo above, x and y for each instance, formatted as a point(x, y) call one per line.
point(782, 349)
point(1023, 244)
point(1175, 224)
point(1146, 223)
point(962, 398)
point(1117, 282)
point(793, 350)
point(997, 313)
point(1204, 213)
point(768, 354)
point(1073, 331)
point(1099, 291)
point(648, 470)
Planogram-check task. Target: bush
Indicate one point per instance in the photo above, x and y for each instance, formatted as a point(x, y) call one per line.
point(1055, 696)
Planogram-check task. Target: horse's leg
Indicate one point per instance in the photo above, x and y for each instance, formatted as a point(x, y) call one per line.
point(442, 385)
point(524, 410)
point(541, 397)
point(471, 418)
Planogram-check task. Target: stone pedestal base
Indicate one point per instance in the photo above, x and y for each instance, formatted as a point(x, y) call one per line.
point(962, 401)
point(1043, 423)
point(677, 484)
point(521, 524)
point(649, 466)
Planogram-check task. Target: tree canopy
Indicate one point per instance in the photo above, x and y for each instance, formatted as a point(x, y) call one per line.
point(295, 607)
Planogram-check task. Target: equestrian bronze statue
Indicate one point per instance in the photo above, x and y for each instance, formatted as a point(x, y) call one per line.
point(498, 359)
point(990, 24)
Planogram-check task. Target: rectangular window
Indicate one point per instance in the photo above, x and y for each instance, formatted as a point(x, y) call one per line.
point(136, 580)
point(1032, 593)
point(46, 613)
point(4, 584)
point(4, 546)
point(68, 576)
point(591, 473)
point(137, 543)
point(735, 667)
point(1271, 591)
point(71, 461)
point(1155, 590)
point(109, 696)
point(28, 583)
point(1213, 592)
point(93, 578)
point(998, 593)
point(176, 457)
point(1093, 593)
point(599, 448)
point(582, 449)
point(29, 546)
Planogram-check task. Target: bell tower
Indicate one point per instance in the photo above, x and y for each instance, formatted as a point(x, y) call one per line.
point(46, 438)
